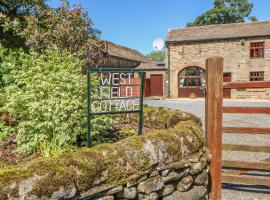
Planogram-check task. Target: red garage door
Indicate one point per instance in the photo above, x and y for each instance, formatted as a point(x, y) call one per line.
point(156, 85)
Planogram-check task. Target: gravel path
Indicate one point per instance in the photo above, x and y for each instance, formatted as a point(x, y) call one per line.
point(196, 106)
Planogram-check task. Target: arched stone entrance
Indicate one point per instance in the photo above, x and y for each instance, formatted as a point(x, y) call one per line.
point(191, 80)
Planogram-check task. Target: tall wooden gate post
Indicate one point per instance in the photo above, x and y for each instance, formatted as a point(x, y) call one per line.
point(213, 121)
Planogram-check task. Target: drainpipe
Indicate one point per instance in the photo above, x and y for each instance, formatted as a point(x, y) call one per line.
point(168, 71)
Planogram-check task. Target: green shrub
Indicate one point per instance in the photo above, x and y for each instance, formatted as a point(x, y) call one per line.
point(123, 133)
point(46, 93)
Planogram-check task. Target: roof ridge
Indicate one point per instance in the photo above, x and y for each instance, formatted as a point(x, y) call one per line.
point(220, 31)
point(125, 52)
point(128, 48)
point(212, 25)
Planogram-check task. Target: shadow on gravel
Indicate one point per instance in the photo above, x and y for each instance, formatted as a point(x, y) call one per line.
point(256, 174)
point(247, 188)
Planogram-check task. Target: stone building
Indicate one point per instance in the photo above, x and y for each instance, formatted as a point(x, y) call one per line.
point(118, 56)
point(244, 46)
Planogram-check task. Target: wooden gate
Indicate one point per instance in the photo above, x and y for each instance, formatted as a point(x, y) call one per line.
point(147, 87)
point(156, 85)
point(214, 129)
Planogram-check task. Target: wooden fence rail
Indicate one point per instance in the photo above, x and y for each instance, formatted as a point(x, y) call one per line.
point(245, 85)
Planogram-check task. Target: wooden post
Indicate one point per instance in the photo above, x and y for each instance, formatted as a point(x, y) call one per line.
point(213, 121)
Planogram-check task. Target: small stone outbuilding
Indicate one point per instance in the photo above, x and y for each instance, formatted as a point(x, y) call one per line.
point(118, 56)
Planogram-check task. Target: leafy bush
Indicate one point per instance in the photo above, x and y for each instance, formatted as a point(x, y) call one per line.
point(123, 133)
point(46, 93)
point(42, 86)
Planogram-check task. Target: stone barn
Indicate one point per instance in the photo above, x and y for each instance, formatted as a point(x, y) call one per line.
point(118, 56)
point(244, 46)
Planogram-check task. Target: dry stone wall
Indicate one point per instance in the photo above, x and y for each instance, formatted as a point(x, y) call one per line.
point(170, 161)
point(186, 182)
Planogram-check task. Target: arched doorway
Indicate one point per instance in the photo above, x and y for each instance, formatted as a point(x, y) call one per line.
point(191, 80)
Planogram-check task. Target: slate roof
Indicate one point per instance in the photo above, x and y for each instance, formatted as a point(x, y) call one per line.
point(124, 52)
point(131, 54)
point(221, 31)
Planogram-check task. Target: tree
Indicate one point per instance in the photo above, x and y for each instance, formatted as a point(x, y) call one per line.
point(157, 56)
point(19, 8)
point(225, 12)
point(66, 28)
point(13, 12)
point(39, 27)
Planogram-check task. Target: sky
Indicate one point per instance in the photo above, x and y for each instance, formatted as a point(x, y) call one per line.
point(136, 23)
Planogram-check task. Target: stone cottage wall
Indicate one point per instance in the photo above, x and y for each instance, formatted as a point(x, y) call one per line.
point(168, 162)
point(236, 60)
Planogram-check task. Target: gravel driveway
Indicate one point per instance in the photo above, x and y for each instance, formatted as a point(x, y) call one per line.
point(196, 106)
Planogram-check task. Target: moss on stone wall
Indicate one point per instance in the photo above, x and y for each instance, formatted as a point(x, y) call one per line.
point(174, 135)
